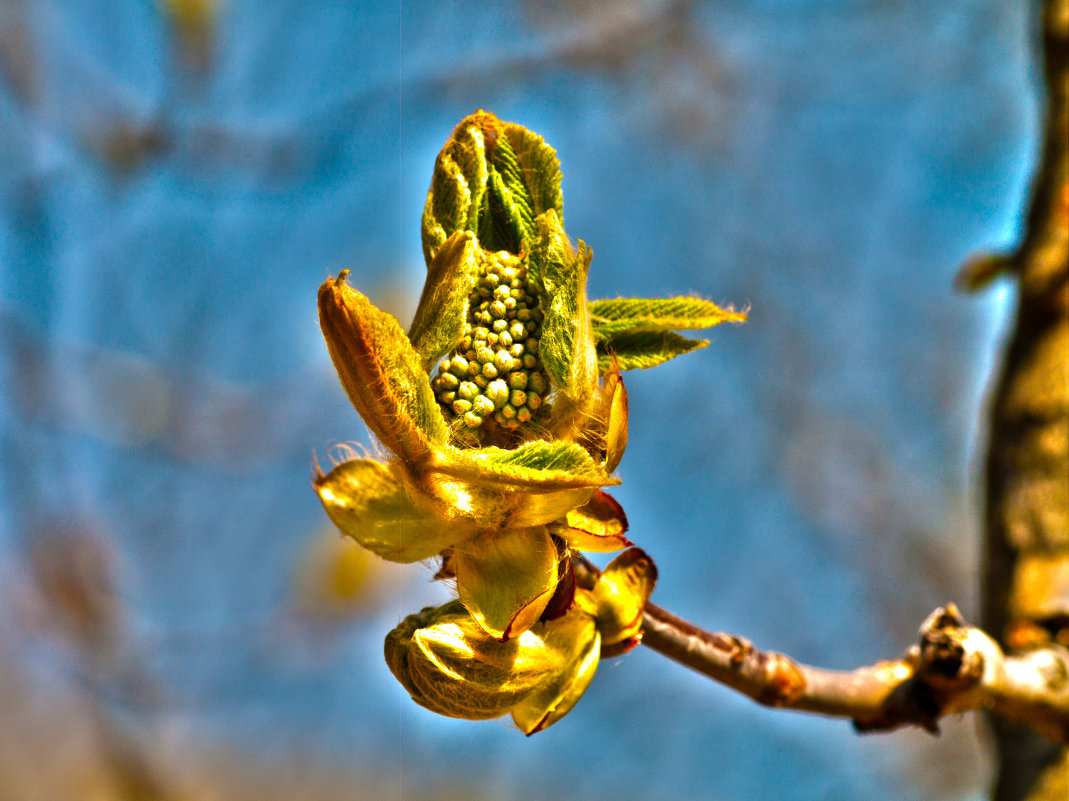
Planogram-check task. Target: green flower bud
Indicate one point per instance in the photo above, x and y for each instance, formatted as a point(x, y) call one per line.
point(498, 392)
point(499, 344)
point(503, 361)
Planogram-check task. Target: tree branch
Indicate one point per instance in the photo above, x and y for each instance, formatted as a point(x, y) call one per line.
point(954, 668)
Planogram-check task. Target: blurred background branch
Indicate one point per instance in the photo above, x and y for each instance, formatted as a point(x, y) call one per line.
point(1026, 555)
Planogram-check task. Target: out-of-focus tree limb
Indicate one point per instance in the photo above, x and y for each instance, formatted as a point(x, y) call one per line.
point(1025, 591)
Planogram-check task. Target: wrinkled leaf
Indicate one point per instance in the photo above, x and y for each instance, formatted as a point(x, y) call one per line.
point(443, 307)
point(540, 168)
point(380, 371)
point(493, 179)
point(367, 501)
point(535, 467)
point(510, 201)
point(458, 185)
point(645, 349)
point(451, 666)
point(598, 525)
point(612, 318)
point(506, 578)
point(567, 344)
point(577, 641)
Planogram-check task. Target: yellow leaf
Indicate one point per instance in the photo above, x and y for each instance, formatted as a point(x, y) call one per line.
point(381, 372)
point(506, 578)
point(598, 525)
point(370, 503)
point(620, 596)
point(578, 644)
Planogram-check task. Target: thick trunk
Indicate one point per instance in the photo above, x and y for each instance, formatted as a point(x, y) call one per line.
point(1026, 570)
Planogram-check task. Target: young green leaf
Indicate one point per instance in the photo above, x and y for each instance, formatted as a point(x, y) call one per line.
point(510, 189)
point(493, 179)
point(612, 318)
point(643, 349)
point(458, 184)
point(539, 167)
point(443, 307)
point(536, 467)
point(381, 372)
point(559, 272)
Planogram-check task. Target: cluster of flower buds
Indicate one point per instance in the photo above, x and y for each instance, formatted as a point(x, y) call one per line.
point(497, 463)
point(495, 370)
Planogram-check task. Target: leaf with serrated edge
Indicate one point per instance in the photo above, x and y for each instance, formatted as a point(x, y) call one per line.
point(458, 184)
point(598, 525)
point(491, 178)
point(540, 168)
point(368, 502)
point(644, 349)
point(578, 642)
point(511, 188)
point(506, 578)
point(612, 318)
point(567, 344)
point(534, 467)
point(381, 372)
point(443, 307)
